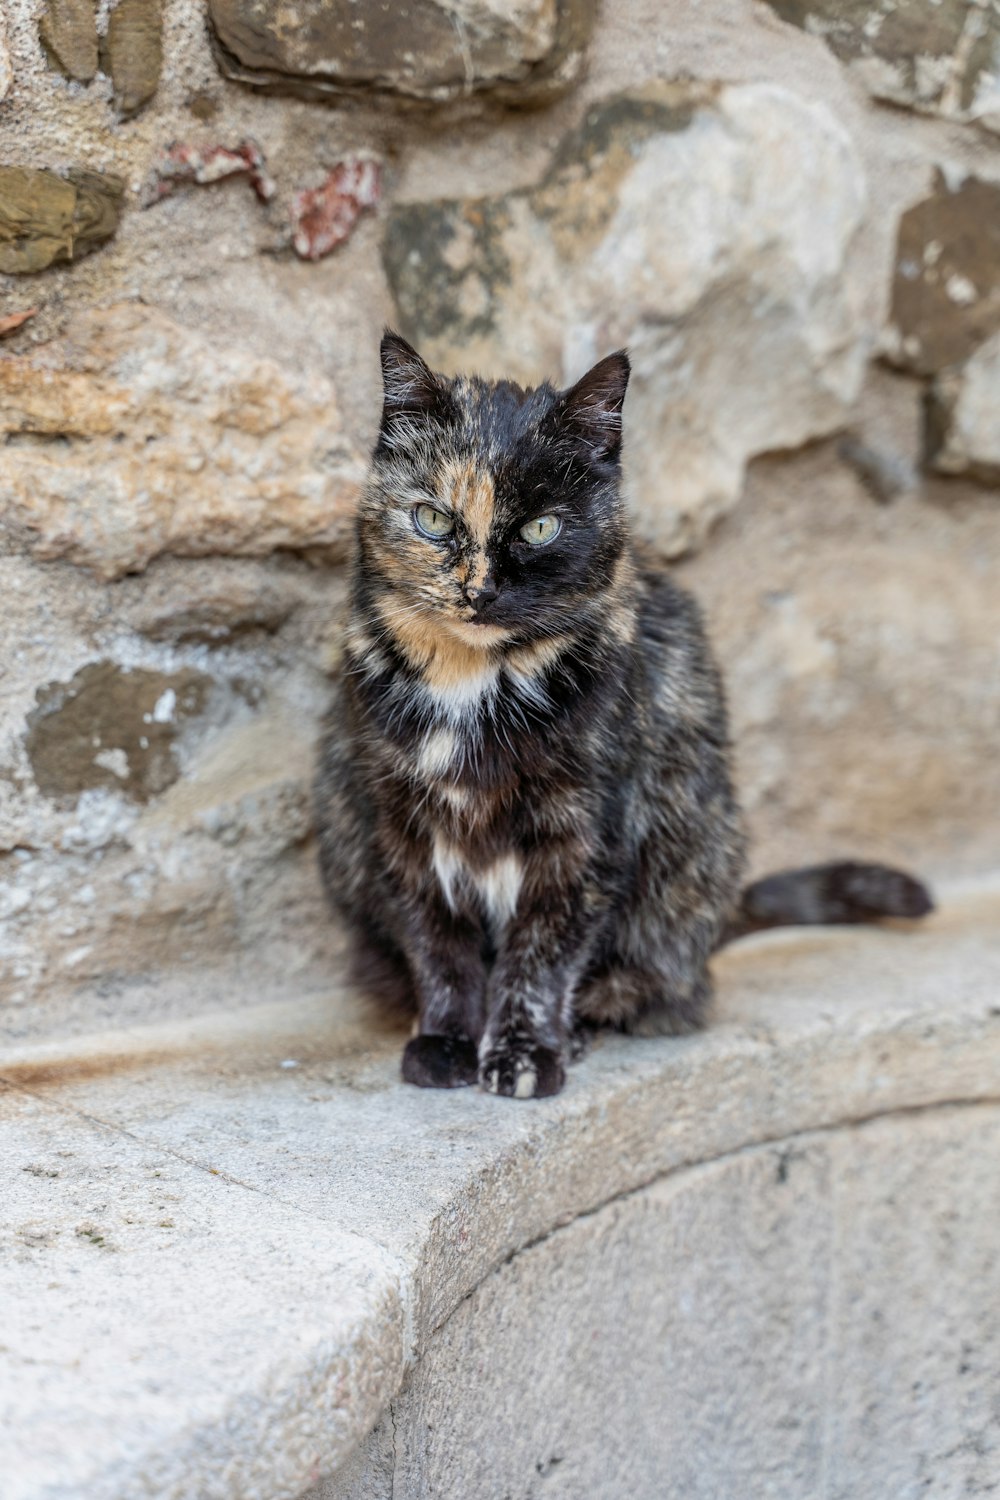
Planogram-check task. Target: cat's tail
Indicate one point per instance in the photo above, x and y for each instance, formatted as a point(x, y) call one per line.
point(826, 895)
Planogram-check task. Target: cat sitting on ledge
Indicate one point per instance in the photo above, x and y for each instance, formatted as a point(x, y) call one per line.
point(524, 803)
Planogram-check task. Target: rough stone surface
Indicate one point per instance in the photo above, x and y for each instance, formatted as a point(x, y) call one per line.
point(111, 727)
point(133, 436)
point(946, 283)
point(741, 326)
point(766, 1303)
point(110, 875)
point(963, 416)
point(249, 1316)
point(939, 56)
point(46, 218)
point(526, 52)
point(708, 1213)
point(132, 52)
point(68, 29)
point(6, 71)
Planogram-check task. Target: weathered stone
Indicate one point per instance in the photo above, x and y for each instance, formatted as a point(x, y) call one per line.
point(218, 615)
point(743, 328)
point(946, 286)
point(68, 29)
point(938, 56)
point(131, 436)
point(11, 322)
point(805, 1298)
point(963, 417)
point(46, 218)
point(885, 475)
point(132, 52)
point(526, 51)
point(111, 726)
point(6, 71)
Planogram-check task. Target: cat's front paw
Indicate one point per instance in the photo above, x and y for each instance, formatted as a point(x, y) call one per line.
point(522, 1071)
point(439, 1062)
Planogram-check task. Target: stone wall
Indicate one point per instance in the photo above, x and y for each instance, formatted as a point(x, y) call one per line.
point(789, 212)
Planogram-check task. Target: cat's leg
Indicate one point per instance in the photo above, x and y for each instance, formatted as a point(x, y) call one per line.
point(649, 973)
point(449, 972)
point(666, 1001)
point(529, 1022)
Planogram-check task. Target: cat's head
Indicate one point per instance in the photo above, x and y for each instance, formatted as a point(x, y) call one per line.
point(493, 513)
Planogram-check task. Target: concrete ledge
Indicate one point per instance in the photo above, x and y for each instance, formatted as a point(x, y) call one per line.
point(231, 1243)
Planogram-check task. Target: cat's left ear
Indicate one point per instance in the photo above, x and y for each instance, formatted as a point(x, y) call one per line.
point(592, 409)
point(410, 385)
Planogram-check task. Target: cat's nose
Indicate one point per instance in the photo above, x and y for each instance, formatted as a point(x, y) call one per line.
point(484, 594)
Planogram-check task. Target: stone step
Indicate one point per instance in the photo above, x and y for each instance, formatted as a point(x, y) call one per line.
point(242, 1259)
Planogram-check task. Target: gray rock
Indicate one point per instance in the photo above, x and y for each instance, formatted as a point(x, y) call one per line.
point(743, 326)
point(938, 56)
point(963, 417)
point(6, 70)
point(419, 49)
point(731, 1264)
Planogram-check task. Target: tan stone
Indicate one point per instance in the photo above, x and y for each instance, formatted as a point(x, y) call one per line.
point(46, 218)
point(133, 52)
point(68, 29)
point(133, 436)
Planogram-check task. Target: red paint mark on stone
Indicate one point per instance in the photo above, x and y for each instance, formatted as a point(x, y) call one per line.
point(323, 217)
point(182, 162)
point(13, 321)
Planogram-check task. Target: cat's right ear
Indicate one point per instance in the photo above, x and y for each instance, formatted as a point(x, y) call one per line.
point(411, 389)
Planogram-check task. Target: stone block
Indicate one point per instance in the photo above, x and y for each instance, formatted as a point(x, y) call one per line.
point(111, 727)
point(46, 218)
point(741, 321)
point(523, 51)
point(962, 428)
point(131, 436)
point(68, 29)
point(946, 283)
point(941, 57)
point(132, 52)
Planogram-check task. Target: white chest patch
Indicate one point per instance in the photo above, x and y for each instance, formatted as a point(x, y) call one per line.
point(437, 752)
point(497, 887)
point(460, 698)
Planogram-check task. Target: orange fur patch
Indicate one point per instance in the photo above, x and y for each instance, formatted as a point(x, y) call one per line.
point(442, 658)
point(467, 489)
point(532, 661)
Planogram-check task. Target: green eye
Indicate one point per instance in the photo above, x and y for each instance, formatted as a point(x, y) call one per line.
point(541, 530)
point(433, 523)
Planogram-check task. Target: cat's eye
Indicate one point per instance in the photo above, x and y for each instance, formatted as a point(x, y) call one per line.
point(541, 530)
point(432, 522)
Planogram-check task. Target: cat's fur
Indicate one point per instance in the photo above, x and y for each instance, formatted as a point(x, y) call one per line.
point(524, 804)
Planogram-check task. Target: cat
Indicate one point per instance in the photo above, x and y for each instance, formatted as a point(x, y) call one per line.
point(524, 803)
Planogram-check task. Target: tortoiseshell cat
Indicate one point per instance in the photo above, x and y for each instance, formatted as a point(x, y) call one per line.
point(524, 804)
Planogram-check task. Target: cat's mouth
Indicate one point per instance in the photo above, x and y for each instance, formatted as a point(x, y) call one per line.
point(476, 632)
